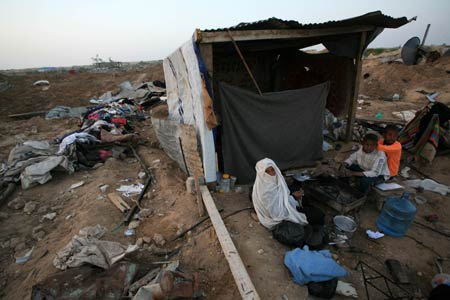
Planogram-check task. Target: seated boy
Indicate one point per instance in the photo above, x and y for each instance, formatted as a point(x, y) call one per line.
point(392, 148)
point(367, 164)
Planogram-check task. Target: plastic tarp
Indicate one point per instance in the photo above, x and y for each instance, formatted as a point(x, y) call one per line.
point(185, 100)
point(284, 126)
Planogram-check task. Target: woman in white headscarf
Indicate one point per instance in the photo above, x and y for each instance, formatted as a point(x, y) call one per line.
point(271, 196)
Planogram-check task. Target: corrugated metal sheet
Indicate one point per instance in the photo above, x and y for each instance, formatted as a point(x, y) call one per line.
point(376, 18)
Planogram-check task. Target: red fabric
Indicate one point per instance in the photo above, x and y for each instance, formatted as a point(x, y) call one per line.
point(104, 154)
point(119, 121)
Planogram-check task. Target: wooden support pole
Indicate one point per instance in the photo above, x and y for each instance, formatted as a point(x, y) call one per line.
point(237, 267)
point(244, 62)
point(352, 106)
point(200, 206)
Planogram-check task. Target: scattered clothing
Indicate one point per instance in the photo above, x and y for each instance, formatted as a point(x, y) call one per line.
point(393, 153)
point(271, 197)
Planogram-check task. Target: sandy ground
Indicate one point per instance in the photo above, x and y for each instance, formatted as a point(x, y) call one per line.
point(174, 210)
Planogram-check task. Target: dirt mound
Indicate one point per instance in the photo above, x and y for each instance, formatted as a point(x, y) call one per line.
point(65, 89)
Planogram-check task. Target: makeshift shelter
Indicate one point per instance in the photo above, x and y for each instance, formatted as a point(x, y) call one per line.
point(283, 120)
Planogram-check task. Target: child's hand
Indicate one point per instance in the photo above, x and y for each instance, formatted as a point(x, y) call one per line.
point(298, 194)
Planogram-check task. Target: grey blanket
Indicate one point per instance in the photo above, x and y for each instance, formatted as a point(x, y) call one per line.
point(284, 126)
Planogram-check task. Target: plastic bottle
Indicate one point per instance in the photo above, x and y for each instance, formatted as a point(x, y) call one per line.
point(396, 215)
point(225, 183)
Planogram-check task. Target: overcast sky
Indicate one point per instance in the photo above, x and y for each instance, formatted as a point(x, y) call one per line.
point(36, 33)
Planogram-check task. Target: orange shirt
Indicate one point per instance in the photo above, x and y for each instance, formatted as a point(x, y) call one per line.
point(393, 153)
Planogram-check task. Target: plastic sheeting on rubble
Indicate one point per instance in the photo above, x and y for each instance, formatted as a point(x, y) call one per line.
point(31, 163)
point(40, 172)
point(87, 248)
point(429, 185)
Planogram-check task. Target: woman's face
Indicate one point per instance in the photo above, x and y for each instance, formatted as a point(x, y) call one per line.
point(270, 171)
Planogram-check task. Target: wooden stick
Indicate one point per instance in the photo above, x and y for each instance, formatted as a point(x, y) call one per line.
point(352, 108)
point(201, 207)
point(237, 267)
point(29, 114)
point(244, 62)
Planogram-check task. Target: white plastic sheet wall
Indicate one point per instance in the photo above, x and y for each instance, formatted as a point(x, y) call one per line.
point(185, 103)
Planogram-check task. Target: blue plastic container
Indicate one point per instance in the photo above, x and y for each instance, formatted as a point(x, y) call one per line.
point(397, 215)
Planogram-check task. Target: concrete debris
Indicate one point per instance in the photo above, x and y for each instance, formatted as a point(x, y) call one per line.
point(16, 203)
point(145, 213)
point(38, 232)
point(49, 216)
point(142, 175)
point(261, 251)
point(16, 241)
point(104, 188)
point(30, 207)
point(20, 247)
point(76, 185)
point(159, 239)
point(42, 209)
point(139, 242)
point(134, 224)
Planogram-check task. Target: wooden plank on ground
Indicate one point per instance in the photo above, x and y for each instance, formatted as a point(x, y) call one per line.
point(237, 267)
point(118, 202)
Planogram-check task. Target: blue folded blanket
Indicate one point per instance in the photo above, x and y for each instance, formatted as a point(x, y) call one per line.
point(312, 266)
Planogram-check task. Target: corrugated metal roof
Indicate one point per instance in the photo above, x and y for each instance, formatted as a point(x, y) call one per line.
point(375, 18)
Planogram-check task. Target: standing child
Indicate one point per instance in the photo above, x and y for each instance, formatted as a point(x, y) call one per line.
point(367, 164)
point(392, 148)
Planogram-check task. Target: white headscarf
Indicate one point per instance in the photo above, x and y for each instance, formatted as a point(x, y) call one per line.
point(271, 197)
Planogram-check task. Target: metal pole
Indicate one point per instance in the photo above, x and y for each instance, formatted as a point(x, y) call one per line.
point(425, 35)
point(244, 62)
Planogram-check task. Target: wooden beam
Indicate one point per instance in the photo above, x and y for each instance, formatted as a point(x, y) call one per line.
point(271, 34)
point(206, 52)
point(245, 63)
point(352, 106)
point(237, 267)
point(118, 202)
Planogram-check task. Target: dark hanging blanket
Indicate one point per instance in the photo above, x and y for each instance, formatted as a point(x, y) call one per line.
point(284, 126)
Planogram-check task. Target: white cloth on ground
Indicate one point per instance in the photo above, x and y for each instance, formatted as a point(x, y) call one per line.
point(271, 197)
point(374, 164)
